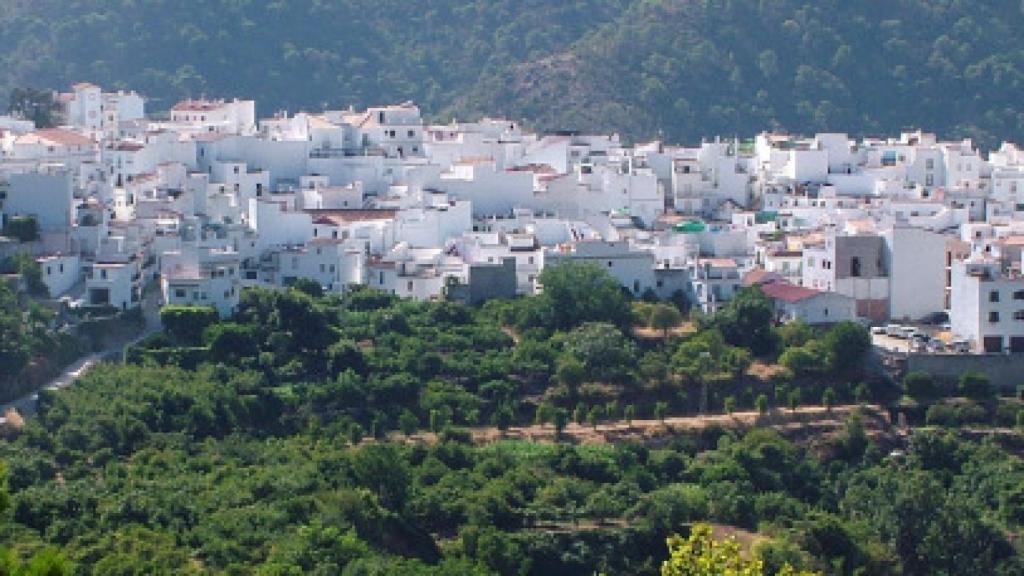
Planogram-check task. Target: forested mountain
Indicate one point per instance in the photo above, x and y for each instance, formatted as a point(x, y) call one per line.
point(685, 68)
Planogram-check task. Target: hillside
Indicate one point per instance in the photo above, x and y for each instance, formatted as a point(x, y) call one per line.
point(693, 69)
point(681, 68)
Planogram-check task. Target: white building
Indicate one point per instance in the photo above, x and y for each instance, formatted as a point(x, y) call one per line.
point(634, 269)
point(88, 108)
point(916, 263)
point(114, 281)
point(987, 305)
point(60, 272)
point(202, 277)
point(45, 194)
point(217, 116)
point(808, 305)
point(53, 145)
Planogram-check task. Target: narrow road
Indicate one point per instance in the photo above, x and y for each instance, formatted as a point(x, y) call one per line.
point(26, 405)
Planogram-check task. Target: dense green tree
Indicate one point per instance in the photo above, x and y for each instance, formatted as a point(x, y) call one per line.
point(746, 321)
point(920, 386)
point(577, 293)
point(408, 422)
point(309, 287)
point(31, 272)
point(231, 342)
point(846, 346)
point(762, 404)
point(22, 228)
point(35, 105)
point(977, 386)
point(382, 469)
point(664, 317)
point(604, 351)
point(185, 324)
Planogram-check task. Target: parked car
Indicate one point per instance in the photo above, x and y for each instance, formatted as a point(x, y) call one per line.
point(960, 346)
point(878, 330)
point(935, 318)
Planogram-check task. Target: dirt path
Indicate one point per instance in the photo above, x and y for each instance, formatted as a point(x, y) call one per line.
point(804, 421)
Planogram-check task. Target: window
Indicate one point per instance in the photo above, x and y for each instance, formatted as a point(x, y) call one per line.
point(993, 296)
point(1018, 315)
point(408, 285)
point(103, 274)
point(993, 317)
point(179, 293)
point(929, 164)
point(1018, 295)
point(609, 263)
point(411, 133)
point(236, 169)
point(855, 267)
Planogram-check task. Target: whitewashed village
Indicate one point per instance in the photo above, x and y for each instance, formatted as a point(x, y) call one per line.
point(921, 238)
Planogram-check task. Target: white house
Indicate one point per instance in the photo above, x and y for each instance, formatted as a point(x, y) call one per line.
point(54, 145)
point(808, 305)
point(45, 194)
point(916, 261)
point(60, 272)
point(202, 277)
point(114, 281)
point(987, 305)
point(633, 269)
point(218, 116)
point(714, 282)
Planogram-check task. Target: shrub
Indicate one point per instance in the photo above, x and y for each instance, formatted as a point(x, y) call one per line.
point(22, 228)
point(920, 386)
point(185, 324)
point(977, 386)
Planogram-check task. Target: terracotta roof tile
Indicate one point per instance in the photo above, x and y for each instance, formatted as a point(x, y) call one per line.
point(788, 292)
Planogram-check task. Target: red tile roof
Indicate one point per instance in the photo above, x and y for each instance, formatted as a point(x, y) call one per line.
point(197, 106)
point(759, 276)
point(340, 217)
point(718, 262)
point(60, 136)
point(788, 292)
